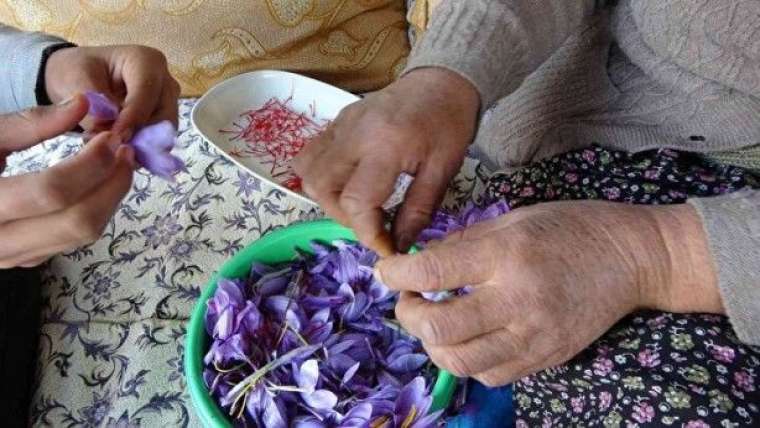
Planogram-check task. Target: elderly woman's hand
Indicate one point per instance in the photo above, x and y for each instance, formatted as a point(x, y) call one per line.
point(64, 206)
point(421, 125)
point(136, 78)
point(547, 281)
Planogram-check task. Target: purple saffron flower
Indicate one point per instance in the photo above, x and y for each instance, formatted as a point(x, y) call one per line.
point(265, 409)
point(273, 283)
point(444, 224)
point(383, 400)
point(283, 308)
point(358, 417)
point(406, 363)
point(153, 145)
point(307, 377)
point(413, 405)
point(341, 363)
point(224, 352)
point(225, 325)
point(356, 303)
point(248, 320)
point(308, 422)
point(101, 108)
point(319, 328)
point(228, 295)
point(441, 226)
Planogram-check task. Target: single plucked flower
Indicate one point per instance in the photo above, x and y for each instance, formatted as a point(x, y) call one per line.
point(152, 144)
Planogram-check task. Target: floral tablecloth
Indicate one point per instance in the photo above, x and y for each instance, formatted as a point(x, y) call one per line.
point(114, 316)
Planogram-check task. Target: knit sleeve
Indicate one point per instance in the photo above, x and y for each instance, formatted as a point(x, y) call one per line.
point(21, 54)
point(496, 44)
point(732, 224)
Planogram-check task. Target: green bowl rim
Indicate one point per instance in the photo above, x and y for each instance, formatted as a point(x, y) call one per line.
point(210, 413)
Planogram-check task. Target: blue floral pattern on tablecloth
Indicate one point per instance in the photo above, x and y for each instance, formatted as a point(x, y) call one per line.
point(113, 322)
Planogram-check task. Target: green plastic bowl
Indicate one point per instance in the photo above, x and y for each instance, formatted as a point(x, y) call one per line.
point(276, 247)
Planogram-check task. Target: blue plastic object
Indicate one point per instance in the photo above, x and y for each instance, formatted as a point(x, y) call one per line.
point(486, 407)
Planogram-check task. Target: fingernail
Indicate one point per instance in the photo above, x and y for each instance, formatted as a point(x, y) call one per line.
point(114, 142)
point(67, 101)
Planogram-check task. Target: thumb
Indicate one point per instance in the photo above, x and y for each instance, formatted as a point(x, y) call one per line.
point(27, 128)
point(451, 264)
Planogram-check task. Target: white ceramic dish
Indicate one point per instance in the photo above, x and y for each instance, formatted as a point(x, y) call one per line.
point(219, 109)
point(222, 105)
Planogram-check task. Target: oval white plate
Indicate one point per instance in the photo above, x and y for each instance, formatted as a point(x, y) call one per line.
point(222, 105)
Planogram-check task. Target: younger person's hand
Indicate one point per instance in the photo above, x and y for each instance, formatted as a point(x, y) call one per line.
point(136, 78)
point(67, 205)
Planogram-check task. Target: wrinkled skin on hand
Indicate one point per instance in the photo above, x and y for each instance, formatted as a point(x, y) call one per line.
point(420, 125)
point(547, 281)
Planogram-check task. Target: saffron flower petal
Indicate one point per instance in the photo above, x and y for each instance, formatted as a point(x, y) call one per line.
point(349, 374)
point(307, 375)
point(408, 363)
point(359, 416)
point(153, 145)
point(308, 422)
point(320, 399)
point(444, 223)
point(413, 403)
point(101, 108)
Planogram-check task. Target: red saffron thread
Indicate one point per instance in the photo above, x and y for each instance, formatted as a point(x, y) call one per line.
point(274, 134)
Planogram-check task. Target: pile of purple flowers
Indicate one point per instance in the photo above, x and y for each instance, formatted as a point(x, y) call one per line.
point(312, 343)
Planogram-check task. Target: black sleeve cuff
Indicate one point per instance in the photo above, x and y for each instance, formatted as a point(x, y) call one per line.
point(40, 90)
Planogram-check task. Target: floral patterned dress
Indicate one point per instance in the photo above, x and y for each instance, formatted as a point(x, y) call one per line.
point(653, 368)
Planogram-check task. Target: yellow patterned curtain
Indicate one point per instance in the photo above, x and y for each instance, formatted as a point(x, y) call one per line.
point(360, 45)
point(420, 13)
